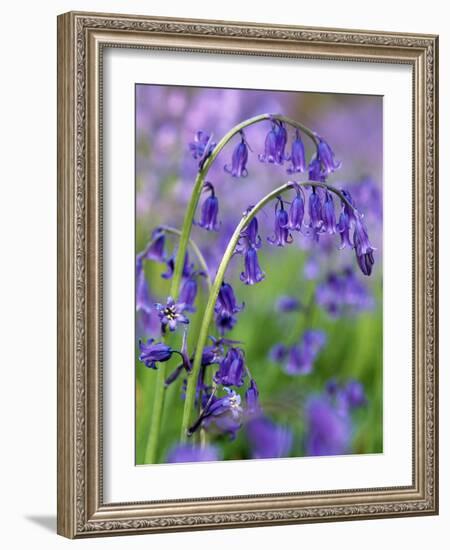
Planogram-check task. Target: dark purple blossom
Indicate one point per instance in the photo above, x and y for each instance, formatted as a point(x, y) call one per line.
point(363, 249)
point(152, 353)
point(252, 273)
point(239, 159)
point(328, 428)
point(267, 439)
point(202, 146)
point(287, 304)
point(325, 155)
point(249, 236)
point(354, 394)
point(303, 355)
point(226, 308)
point(222, 413)
point(188, 268)
point(328, 214)
point(188, 293)
point(171, 313)
point(278, 353)
point(315, 172)
point(343, 227)
point(232, 369)
point(252, 406)
point(281, 236)
point(210, 211)
point(155, 248)
point(342, 293)
point(297, 157)
point(297, 210)
point(270, 146)
point(186, 452)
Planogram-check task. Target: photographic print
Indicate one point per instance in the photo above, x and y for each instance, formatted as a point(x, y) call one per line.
point(259, 320)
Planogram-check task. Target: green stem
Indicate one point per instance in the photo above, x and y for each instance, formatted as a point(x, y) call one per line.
point(198, 187)
point(155, 423)
point(209, 310)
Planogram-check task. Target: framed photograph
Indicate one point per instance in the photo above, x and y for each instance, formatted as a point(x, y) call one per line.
point(247, 276)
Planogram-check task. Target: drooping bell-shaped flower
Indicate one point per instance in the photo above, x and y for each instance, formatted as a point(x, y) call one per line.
point(202, 146)
point(226, 307)
point(297, 210)
point(152, 353)
point(281, 236)
point(232, 369)
point(171, 314)
point(315, 172)
point(252, 406)
point(252, 273)
point(315, 213)
point(363, 249)
point(297, 157)
point(328, 214)
point(155, 248)
point(249, 236)
point(210, 211)
point(188, 268)
point(270, 146)
point(239, 159)
point(325, 156)
point(343, 226)
point(188, 293)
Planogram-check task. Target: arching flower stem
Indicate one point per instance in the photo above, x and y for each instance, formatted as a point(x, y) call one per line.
point(209, 309)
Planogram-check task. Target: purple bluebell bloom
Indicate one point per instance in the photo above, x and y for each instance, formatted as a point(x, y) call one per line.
point(297, 210)
point(343, 227)
point(226, 307)
point(267, 439)
point(249, 236)
point(184, 452)
point(286, 304)
point(363, 249)
point(252, 273)
point(239, 159)
point(328, 428)
point(328, 214)
point(142, 291)
point(202, 146)
point(188, 293)
point(152, 353)
point(281, 236)
point(325, 155)
point(354, 394)
point(278, 353)
point(343, 293)
point(252, 406)
point(297, 157)
point(187, 268)
point(171, 313)
point(210, 210)
point(232, 369)
point(315, 223)
point(315, 172)
point(222, 413)
point(270, 146)
point(303, 355)
point(155, 248)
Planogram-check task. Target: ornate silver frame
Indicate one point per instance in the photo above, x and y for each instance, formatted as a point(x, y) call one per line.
point(81, 39)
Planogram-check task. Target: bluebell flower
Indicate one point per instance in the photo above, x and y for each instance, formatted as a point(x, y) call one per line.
point(188, 268)
point(252, 405)
point(328, 214)
point(278, 353)
point(328, 428)
point(252, 273)
point(315, 214)
point(354, 394)
point(226, 307)
point(315, 172)
point(287, 304)
point(297, 157)
point(343, 293)
point(155, 248)
point(297, 210)
point(188, 292)
point(222, 413)
point(267, 439)
point(202, 146)
point(281, 236)
point(239, 159)
point(152, 353)
point(363, 249)
point(303, 355)
point(325, 156)
point(249, 237)
point(142, 291)
point(185, 452)
point(171, 313)
point(275, 144)
point(343, 228)
point(231, 369)
point(210, 211)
